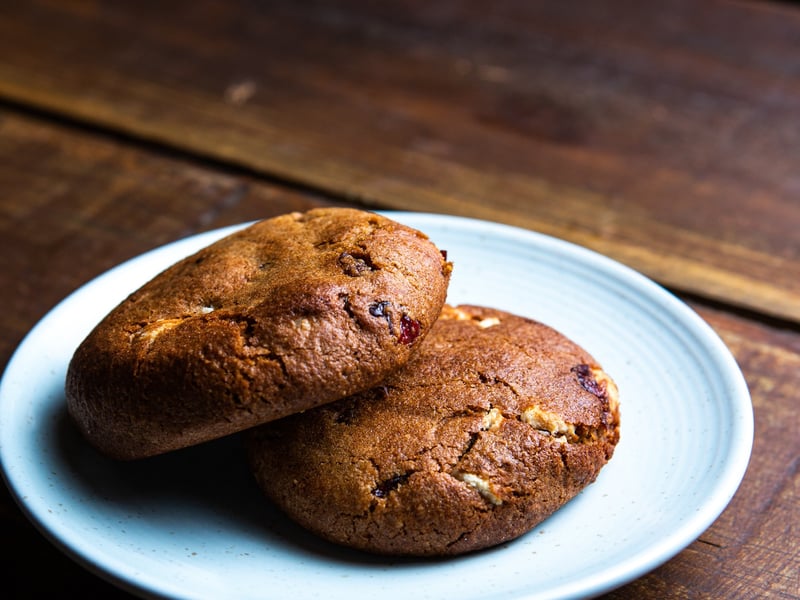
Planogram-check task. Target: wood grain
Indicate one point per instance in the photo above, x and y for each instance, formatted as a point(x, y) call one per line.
point(665, 135)
point(74, 205)
point(80, 202)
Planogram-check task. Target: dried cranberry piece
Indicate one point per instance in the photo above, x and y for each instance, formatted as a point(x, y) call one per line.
point(409, 330)
point(588, 382)
point(384, 487)
point(379, 309)
point(443, 253)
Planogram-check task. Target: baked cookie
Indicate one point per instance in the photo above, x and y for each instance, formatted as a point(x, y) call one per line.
point(285, 315)
point(495, 423)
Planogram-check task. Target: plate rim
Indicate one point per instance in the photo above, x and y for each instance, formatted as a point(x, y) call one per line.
point(736, 461)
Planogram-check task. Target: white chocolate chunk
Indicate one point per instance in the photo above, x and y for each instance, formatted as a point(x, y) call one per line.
point(302, 324)
point(457, 314)
point(482, 486)
point(152, 331)
point(549, 422)
point(491, 420)
point(488, 322)
point(603, 379)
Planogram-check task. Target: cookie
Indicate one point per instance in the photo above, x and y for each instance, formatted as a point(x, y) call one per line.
point(287, 314)
point(495, 423)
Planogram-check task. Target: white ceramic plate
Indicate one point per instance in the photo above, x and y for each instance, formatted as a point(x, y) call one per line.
point(193, 524)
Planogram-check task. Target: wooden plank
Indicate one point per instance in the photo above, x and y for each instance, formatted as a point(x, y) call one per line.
point(74, 205)
point(667, 136)
point(78, 203)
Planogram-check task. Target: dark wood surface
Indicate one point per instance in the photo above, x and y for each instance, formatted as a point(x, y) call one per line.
point(665, 135)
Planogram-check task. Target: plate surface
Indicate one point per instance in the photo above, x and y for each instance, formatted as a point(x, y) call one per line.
point(193, 524)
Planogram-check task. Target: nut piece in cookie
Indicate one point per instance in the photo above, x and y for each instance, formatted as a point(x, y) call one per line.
point(287, 314)
point(493, 425)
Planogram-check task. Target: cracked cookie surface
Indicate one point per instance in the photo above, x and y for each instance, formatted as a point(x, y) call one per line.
point(282, 316)
point(495, 423)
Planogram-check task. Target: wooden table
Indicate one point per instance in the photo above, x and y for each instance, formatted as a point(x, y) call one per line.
point(665, 135)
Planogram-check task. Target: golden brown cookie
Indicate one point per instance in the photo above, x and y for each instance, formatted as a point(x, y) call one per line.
point(495, 423)
point(285, 315)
